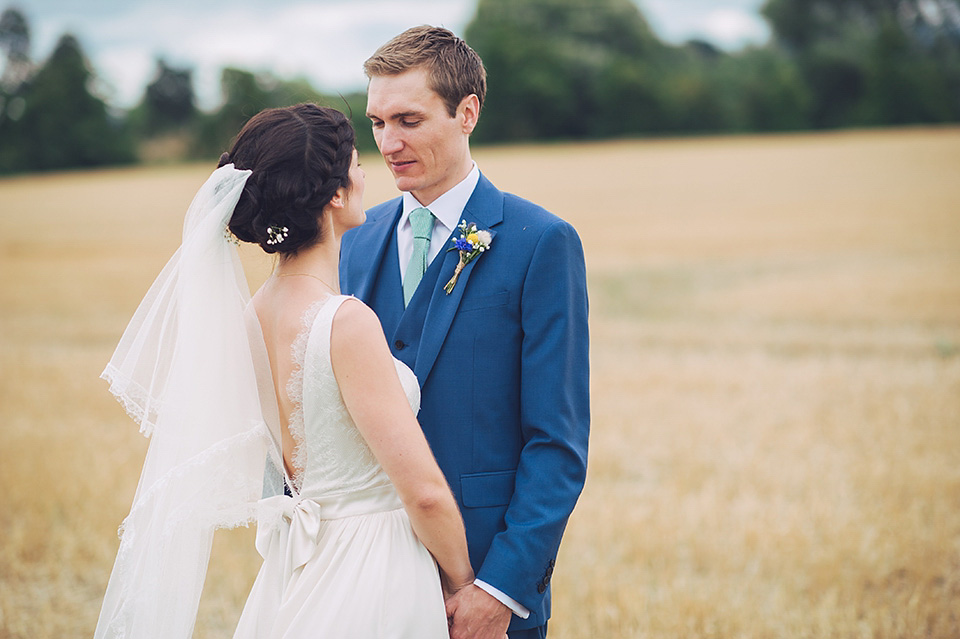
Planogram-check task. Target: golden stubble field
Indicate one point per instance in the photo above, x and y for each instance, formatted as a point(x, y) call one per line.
point(776, 385)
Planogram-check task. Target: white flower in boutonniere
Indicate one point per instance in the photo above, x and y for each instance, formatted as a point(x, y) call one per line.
point(471, 243)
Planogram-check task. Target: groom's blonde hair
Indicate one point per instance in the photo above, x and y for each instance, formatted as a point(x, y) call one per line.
point(454, 69)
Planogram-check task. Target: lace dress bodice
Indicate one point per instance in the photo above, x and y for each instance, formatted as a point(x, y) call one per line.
point(331, 456)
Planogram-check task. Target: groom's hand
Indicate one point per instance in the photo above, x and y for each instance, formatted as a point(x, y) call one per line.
point(474, 614)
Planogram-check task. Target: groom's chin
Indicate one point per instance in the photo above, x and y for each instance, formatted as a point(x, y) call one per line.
point(403, 183)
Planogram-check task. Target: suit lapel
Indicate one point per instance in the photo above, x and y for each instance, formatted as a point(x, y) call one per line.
point(375, 246)
point(485, 209)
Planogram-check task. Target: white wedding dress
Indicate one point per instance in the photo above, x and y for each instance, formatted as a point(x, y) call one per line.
point(340, 558)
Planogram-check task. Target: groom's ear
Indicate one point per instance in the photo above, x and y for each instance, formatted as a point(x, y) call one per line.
point(469, 111)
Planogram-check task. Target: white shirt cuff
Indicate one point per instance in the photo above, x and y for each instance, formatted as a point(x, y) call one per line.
point(507, 601)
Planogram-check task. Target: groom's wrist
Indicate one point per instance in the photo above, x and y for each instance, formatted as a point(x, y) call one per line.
point(508, 601)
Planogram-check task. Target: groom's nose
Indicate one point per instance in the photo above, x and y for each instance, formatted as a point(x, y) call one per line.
point(391, 140)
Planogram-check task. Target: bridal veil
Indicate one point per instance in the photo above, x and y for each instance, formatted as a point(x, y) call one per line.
point(186, 369)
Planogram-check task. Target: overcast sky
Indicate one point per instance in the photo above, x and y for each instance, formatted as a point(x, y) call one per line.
point(325, 41)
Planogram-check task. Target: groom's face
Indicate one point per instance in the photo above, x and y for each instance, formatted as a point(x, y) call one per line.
point(425, 148)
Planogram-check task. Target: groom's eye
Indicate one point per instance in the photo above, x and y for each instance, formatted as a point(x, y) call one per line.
point(410, 123)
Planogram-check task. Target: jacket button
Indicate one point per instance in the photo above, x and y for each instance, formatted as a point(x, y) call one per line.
point(399, 345)
point(552, 563)
point(541, 587)
point(546, 579)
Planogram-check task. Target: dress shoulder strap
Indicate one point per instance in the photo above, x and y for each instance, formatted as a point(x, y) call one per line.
point(318, 343)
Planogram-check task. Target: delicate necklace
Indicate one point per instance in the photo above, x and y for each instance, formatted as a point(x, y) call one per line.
point(308, 275)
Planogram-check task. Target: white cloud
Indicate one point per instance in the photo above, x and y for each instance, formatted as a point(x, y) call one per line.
point(732, 28)
point(729, 24)
point(123, 73)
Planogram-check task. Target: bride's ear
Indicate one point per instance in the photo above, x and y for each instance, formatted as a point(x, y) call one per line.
point(339, 198)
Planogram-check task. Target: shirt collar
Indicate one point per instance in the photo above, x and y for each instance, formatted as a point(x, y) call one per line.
point(448, 207)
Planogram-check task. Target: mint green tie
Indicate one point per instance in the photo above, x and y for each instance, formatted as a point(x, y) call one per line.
point(421, 220)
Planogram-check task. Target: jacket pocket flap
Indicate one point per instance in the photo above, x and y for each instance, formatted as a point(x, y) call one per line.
point(482, 490)
point(487, 301)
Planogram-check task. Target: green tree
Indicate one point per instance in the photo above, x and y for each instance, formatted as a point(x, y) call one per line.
point(772, 95)
point(355, 106)
point(874, 61)
point(63, 124)
point(15, 45)
point(245, 94)
point(168, 103)
point(562, 68)
point(17, 70)
point(694, 90)
point(906, 82)
point(586, 69)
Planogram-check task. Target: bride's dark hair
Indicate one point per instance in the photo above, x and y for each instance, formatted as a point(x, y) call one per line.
point(299, 156)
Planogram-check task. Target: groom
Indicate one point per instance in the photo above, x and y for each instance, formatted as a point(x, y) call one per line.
point(502, 358)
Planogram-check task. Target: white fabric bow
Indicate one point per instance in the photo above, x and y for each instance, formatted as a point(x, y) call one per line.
point(291, 526)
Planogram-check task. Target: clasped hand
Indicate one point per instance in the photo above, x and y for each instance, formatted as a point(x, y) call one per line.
point(472, 613)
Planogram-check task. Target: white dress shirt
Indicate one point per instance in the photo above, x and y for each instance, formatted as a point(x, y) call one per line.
point(447, 210)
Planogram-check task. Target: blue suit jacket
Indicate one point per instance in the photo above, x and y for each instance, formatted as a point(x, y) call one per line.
point(503, 367)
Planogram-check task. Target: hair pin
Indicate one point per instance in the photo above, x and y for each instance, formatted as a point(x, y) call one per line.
point(277, 234)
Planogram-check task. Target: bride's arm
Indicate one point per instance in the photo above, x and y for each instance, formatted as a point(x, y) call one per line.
point(373, 395)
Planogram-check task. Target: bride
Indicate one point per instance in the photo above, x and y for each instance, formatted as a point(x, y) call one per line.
point(286, 408)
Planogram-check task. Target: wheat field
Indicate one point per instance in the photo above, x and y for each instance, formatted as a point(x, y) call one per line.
point(775, 326)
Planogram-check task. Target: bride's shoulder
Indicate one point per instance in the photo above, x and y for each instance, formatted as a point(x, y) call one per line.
point(356, 325)
point(352, 315)
point(358, 348)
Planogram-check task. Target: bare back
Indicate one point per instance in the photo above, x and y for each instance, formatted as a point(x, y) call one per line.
point(281, 307)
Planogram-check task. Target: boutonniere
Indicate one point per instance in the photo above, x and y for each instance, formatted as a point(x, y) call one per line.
point(471, 244)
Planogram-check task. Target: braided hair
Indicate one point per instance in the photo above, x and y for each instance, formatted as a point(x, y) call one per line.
point(299, 156)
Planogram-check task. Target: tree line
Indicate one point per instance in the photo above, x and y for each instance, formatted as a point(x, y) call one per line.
point(558, 69)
